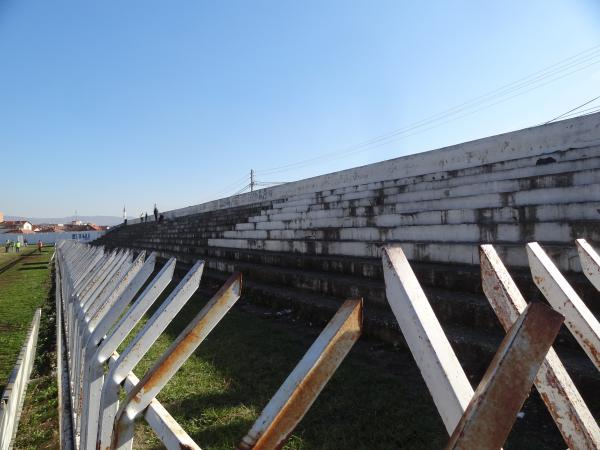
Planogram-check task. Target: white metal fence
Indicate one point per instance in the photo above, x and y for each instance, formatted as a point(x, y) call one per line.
point(99, 303)
point(102, 295)
point(483, 419)
point(14, 392)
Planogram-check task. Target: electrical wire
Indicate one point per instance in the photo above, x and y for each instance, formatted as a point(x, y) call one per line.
point(574, 109)
point(536, 80)
point(232, 185)
point(242, 190)
point(583, 112)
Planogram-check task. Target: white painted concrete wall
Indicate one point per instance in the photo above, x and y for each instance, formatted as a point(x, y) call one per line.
point(577, 133)
point(540, 183)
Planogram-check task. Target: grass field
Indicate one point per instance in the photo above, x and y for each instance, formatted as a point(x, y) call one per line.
point(6, 258)
point(376, 400)
point(23, 288)
point(38, 427)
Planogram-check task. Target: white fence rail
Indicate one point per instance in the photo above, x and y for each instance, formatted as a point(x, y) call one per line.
point(99, 304)
point(483, 419)
point(102, 295)
point(14, 393)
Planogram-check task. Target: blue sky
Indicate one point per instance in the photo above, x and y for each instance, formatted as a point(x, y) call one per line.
point(105, 103)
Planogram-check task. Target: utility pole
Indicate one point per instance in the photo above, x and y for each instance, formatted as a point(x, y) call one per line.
point(251, 180)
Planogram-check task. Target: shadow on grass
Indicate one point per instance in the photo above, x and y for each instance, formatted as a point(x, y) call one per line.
point(220, 391)
point(377, 399)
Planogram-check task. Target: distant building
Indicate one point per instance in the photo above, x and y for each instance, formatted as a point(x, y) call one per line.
point(16, 226)
point(1, 217)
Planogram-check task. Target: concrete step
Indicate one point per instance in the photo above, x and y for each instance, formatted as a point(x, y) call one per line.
point(405, 194)
point(514, 255)
point(386, 216)
point(483, 233)
point(474, 348)
point(556, 162)
point(585, 193)
point(572, 161)
point(452, 276)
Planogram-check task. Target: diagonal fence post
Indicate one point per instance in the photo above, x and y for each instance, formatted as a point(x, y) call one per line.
point(135, 351)
point(563, 401)
point(590, 262)
point(171, 361)
point(584, 327)
point(301, 388)
point(493, 409)
point(439, 366)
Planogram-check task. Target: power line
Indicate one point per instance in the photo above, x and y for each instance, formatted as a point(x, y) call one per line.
point(251, 185)
point(242, 190)
point(583, 112)
point(232, 185)
point(574, 109)
point(538, 78)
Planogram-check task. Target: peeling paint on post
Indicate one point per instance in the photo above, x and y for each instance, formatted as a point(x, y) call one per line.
point(171, 361)
point(570, 413)
point(590, 262)
point(559, 293)
point(301, 388)
point(136, 350)
point(111, 280)
point(493, 409)
point(443, 374)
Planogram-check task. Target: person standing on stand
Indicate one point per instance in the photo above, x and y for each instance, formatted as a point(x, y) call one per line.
point(155, 213)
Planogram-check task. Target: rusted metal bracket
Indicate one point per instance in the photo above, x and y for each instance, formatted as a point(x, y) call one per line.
point(566, 406)
point(493, 409)
point(298, 392)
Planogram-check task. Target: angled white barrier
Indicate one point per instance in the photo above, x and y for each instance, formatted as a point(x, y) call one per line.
point(98, 304)
point(506, 384)
point(483, 419)
point(439, 366)
point(584, 327)
point(590, 262)
point(566, 406)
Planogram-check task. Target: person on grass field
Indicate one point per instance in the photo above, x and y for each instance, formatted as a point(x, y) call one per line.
point(40, 246)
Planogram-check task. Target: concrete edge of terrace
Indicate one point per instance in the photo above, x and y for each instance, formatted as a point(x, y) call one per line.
point(578, 132)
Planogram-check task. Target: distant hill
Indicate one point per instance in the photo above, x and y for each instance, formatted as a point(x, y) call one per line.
point(98, 220)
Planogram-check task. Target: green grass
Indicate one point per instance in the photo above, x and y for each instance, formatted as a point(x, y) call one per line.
point(38, 427)
point(7, 258)
point(23, 288)
point(376, 400)
point(220, 391)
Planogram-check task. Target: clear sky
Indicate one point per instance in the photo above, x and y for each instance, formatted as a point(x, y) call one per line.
point(105, 102)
